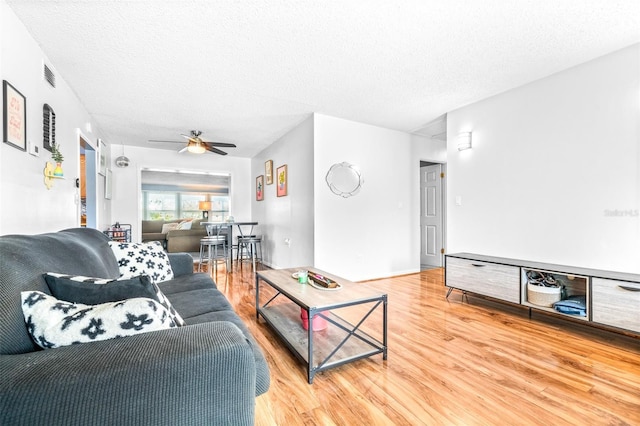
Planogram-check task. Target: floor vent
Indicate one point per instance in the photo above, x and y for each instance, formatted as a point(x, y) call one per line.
point(49, 76)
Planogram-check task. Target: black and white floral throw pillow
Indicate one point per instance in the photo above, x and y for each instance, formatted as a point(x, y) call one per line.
point(53, 323)
point(94, 291)
point(143, 258)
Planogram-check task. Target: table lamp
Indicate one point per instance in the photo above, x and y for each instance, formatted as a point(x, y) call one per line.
point(205, 206)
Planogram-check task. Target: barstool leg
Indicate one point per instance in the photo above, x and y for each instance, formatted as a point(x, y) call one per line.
point(253, 255)
point(210, 259)
point(201, 258)
point(215, 260)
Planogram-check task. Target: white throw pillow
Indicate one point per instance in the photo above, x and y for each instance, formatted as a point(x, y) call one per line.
point(185, 225)
point(169, 227)
point(143, 258)
point(53, 323)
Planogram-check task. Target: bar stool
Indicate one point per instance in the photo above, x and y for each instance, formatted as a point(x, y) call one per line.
point(216, 238)
point(212, 244)
point(250, 244)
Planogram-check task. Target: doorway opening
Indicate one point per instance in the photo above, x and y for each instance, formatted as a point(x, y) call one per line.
point(432, 214)
point(86, 185)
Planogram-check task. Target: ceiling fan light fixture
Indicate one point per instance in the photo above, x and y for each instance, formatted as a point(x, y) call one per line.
point(195, 147)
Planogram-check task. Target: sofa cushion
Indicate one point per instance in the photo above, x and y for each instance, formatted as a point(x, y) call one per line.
point(169, 227)
point(53, 323)
point(152, 226)
point(197, 302)
point(189, 282)
point(94, 291)
point(143, 258)
point(23, 260)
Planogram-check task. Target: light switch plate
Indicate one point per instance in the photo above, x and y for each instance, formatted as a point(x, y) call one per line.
point(34, 149)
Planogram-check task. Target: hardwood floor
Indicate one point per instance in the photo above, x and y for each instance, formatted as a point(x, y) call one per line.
point(471, 362)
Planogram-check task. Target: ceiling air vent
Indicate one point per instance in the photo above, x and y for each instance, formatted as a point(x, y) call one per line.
point(49, 76)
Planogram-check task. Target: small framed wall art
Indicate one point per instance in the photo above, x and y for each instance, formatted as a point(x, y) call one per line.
point(282, 181)
point(14, 117)
point(108, 185)
point(260, 188)
point(268, 171)
point(102, 157)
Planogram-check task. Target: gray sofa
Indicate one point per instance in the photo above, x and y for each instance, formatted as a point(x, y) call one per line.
point(205, 373)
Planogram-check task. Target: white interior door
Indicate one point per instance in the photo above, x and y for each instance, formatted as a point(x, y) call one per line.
point(431, 228)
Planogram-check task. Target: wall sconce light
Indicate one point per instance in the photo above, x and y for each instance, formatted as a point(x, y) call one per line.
point(205, 206)
point(464, 141)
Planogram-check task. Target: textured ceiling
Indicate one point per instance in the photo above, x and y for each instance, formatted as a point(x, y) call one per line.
point(248, 71)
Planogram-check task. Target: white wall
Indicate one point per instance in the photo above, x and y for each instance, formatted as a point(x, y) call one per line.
point(376, 232)
point(126, 203)
point(343, 235)
point(290, 217)
point(26, 206)
point(427, 149)
point(550, 161)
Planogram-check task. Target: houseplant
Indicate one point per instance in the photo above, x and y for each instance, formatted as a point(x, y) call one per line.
point(57, 156)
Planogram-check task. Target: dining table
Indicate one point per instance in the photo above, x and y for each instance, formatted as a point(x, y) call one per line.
point(210, 226)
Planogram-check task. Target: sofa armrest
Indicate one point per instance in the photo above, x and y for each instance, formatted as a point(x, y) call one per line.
point(153, 236)
point(202, 374)
point(181, 263)
point(185, 240)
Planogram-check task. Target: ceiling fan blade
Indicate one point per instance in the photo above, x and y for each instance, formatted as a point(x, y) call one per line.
point(185, 136)
point(222, 144)
point(212, 149)
point(182, 150)
point(155, 141)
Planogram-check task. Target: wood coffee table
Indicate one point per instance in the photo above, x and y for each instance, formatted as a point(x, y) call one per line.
point(337, 344)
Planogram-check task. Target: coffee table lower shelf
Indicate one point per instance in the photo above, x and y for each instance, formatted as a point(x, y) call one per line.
point(338, 344)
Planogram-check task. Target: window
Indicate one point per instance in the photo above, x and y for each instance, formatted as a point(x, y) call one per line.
point(176, 195)
point(159, 205)
point(219, 209)
point(189, 205)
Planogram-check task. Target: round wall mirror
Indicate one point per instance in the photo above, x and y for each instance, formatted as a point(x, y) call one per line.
point(344, 179)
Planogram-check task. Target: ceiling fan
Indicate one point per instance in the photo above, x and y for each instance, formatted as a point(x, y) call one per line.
point(198, 146)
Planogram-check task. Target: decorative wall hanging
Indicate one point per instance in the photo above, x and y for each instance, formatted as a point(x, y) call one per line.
point(14, 117)
point(282, 181)
point(108, 184)
point(344, 179)
point(268, 171)
point(49, 174)
point(48, 127)
point(102, 155)
point(260, 188)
